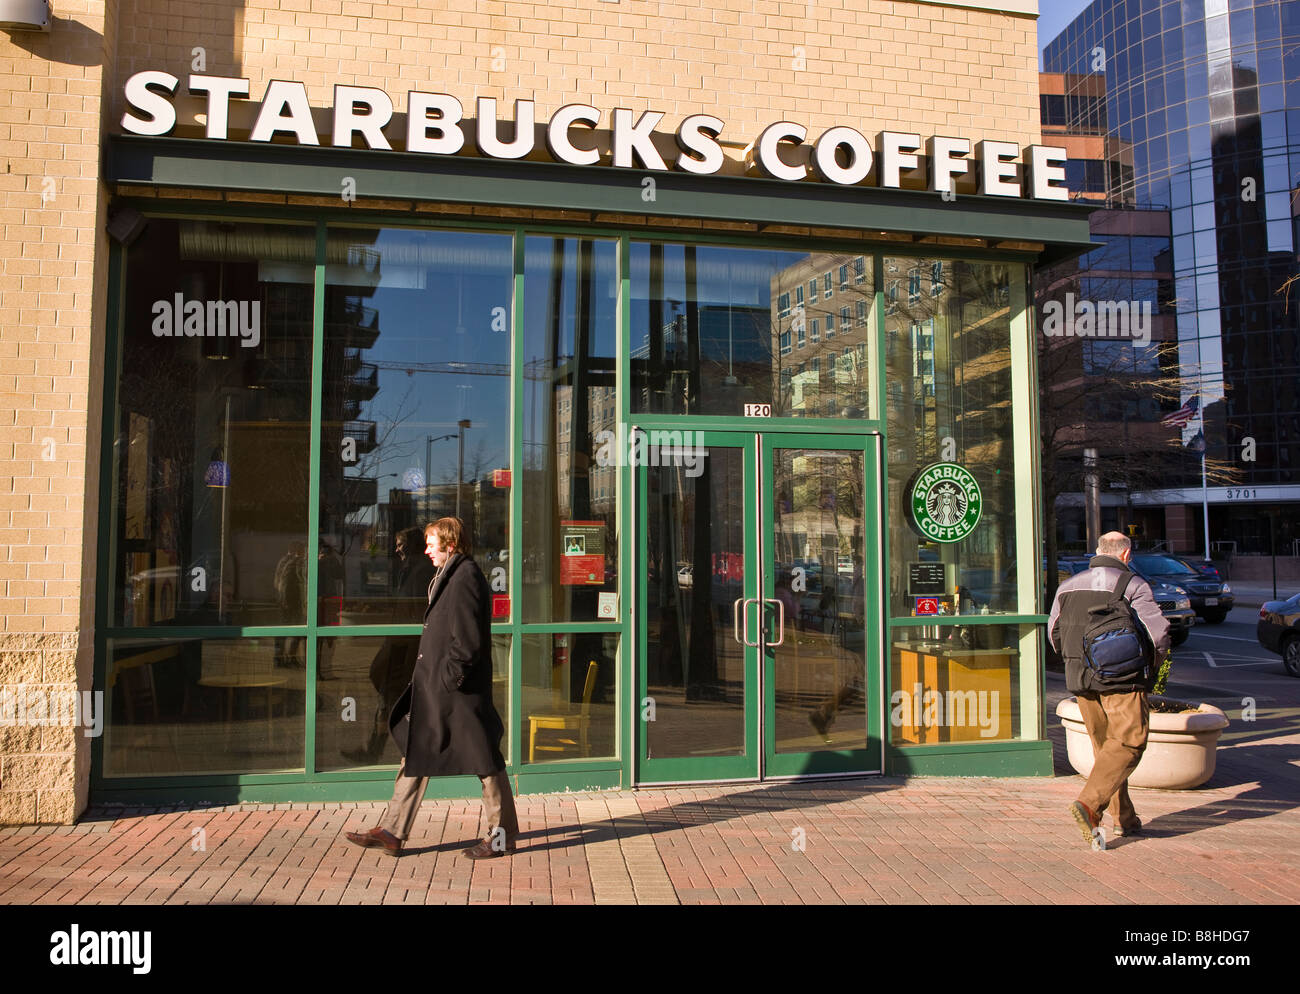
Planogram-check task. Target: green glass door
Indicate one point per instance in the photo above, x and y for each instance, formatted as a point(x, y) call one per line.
point(820, 578)
point(698, 662)
point(757, 562)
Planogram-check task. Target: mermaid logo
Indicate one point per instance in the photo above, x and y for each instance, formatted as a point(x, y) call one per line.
point(945, 502)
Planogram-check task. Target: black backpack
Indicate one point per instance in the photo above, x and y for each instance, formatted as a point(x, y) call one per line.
point(1115, 646)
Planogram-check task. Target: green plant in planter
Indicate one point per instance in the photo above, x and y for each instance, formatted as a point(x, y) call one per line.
point(1158, 690)
point(1162, 675)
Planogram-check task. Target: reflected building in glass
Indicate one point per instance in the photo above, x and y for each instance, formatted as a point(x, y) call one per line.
point(1183, 121)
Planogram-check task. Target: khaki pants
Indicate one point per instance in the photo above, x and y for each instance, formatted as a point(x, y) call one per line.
point(498, 806)
point(1117, 725)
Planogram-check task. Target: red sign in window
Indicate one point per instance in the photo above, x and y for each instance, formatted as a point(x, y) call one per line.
point(500, 605)
point(927, 605)
point(501, 478)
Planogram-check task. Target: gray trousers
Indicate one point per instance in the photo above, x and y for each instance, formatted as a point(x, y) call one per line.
point(498, 806)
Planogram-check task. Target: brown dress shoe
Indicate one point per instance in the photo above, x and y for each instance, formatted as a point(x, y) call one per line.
point(485, 850)
point(377, 837)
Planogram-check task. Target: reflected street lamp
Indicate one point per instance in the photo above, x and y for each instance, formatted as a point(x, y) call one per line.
point(428, 469)
point(460, 460)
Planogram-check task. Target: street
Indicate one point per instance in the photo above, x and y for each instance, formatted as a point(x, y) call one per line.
point(1224, 664)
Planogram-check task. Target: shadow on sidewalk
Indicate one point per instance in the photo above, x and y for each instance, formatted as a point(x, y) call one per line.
point(770, 799)
point(1261, 801)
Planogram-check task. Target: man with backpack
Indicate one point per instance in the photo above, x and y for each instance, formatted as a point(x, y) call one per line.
point(1108, 629)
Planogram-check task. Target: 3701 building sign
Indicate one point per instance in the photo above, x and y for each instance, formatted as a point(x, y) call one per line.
point(945, 502)
point(435, 123)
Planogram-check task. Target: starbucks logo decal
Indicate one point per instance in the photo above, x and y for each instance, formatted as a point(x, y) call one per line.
point(945, 502)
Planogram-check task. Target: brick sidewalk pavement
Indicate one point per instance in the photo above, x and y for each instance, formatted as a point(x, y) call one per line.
point(871, 841)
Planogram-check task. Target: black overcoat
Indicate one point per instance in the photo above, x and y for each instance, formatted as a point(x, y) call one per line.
point(453, 727)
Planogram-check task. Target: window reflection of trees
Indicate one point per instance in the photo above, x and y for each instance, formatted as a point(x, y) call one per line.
point(948, 366)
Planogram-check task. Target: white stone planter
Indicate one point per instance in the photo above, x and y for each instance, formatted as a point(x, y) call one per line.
point(1180, 748)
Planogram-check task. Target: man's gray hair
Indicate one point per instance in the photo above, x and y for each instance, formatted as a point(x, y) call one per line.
point(1112, 544)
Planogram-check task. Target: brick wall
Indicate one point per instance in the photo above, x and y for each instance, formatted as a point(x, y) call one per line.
point(53, 282)
point(871, 64)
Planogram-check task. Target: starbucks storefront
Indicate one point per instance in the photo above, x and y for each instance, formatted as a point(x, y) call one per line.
point(750, 467)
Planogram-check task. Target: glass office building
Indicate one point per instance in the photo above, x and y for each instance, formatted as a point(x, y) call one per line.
point(1196, 108)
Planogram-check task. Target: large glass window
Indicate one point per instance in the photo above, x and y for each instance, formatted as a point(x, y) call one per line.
point(574, 445)
point(415, 413)
point(948, 363)
point(708, 325)
point(361, 679)
point(958, 683)
point(186, 706)
point(568, 696)
point(212, 438)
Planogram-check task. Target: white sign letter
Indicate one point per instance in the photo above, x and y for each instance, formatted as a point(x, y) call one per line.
point(947, 159)
point(557, 134)
point(764, 154)
point(379, 111)
point(488, 141)
point(998, 168)
point(629, 138)
point(219, 90)
point(449, 111)
point(897, 152)
point(697, 135)
point(826, 163)
point(282, 96)
point(1046, 179)
point(162, 115)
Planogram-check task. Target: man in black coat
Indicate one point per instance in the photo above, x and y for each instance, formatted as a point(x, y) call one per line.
point(445, 723)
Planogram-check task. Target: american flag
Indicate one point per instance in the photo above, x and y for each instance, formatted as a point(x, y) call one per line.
point(1184, 414)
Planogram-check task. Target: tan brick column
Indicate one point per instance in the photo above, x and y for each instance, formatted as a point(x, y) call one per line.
point(53, 289)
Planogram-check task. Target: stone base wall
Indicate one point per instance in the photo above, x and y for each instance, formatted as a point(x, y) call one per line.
point(41, 764)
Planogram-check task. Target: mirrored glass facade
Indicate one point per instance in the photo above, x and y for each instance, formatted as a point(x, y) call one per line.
point(1198, 103)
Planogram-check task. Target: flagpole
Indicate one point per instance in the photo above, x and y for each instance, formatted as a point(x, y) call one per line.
point(1205, 493)
point(1205, 499)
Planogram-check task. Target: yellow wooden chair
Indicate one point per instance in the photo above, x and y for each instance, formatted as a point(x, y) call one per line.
point(565, 721)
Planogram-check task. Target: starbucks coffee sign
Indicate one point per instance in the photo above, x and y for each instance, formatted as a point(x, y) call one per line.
point(945, 502)
point(436, 123)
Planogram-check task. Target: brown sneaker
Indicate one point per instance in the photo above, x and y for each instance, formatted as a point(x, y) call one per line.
point(1086, 820)
point(1121, 831)
point(390, 843)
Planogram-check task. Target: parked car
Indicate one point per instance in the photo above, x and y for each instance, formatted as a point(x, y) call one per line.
point(1204, 567)
point(1211, 599)
point(1176, 605)
point(1174, 602)
point(1279, 631)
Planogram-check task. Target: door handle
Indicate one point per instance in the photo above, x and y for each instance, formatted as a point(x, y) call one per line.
point(738, 605)
point(780, 608)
